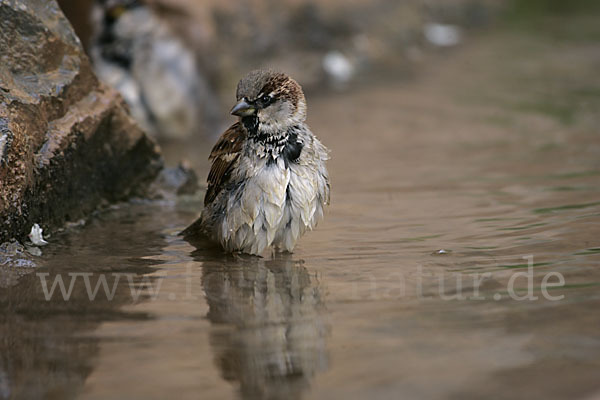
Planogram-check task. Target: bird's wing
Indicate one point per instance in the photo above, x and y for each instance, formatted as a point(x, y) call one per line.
point(224, 156)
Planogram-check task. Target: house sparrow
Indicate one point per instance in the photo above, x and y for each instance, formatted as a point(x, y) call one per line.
point(268, 182)
point(135, 51)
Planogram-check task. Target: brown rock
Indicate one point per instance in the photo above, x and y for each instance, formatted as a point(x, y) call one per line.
point(67, 143)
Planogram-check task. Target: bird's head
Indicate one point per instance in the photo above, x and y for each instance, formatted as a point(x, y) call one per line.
point(269, 101)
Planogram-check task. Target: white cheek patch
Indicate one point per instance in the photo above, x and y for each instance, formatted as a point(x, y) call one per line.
point(281, 110)
point(276, 118)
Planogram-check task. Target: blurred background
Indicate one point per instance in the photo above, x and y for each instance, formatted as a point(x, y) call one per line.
point(177, 62)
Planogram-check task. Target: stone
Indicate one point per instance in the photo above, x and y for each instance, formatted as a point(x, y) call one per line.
point(136, 52)
point(173, 182)
point(67, 141)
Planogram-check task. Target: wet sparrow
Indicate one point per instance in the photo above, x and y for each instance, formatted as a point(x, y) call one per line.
point(268, 182)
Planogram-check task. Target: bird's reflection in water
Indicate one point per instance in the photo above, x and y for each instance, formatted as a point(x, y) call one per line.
point(269, 330)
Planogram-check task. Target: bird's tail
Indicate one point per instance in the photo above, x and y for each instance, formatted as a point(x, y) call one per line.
point(195, 230)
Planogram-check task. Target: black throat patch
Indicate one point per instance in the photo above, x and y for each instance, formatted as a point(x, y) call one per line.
point(251, 125)
point(285, 145)
point(293, 148)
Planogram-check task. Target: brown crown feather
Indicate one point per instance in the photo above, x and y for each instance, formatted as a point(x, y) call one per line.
point(264, 82)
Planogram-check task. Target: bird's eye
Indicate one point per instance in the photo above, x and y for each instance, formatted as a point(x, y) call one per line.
point(266, 99)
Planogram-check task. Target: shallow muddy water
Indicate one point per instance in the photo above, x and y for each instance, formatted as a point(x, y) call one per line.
point(459, 258)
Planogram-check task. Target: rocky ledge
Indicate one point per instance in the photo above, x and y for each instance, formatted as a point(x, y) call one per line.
point(67, 142)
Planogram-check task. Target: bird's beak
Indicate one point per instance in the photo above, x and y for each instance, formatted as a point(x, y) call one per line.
point(243, 109)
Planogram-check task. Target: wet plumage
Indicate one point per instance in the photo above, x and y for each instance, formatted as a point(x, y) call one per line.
point(268, 182)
